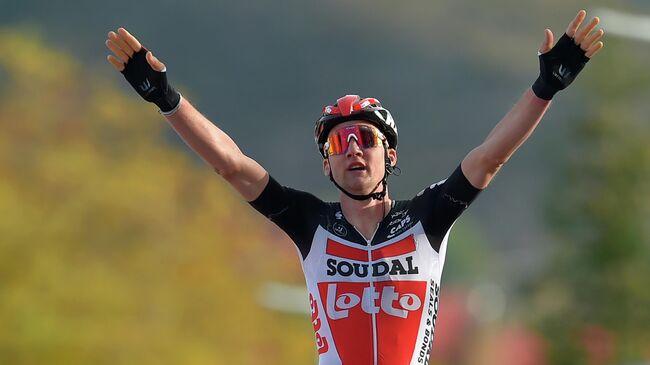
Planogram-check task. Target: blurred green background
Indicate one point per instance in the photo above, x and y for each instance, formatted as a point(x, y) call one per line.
point(118, 246)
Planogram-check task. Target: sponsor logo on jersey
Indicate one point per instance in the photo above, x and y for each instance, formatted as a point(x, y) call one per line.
point(401, 225)
point(322, 345)
point(391, 259)
point(426, 343)
point(398, 218)
point(339, 229)
point(394, 267)
point(390, 302)
point(398, 214)
point(388, 311)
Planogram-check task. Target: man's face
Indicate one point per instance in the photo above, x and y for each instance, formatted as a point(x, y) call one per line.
point(357, 169)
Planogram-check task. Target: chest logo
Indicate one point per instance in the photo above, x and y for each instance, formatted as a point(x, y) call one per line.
point(390, 259)
point(399, 225)
point(396, 308)
point(390, 301)
point(398, 214)
point(340, 229)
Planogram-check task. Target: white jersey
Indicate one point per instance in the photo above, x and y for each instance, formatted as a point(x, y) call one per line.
point(372, 301)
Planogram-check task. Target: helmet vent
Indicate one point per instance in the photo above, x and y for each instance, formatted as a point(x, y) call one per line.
point(346, 104)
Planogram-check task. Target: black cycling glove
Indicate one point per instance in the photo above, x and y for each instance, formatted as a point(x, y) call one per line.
point(559, 67)
point(151, 84)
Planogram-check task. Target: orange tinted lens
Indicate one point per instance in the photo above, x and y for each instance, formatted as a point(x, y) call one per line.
point(335, 147)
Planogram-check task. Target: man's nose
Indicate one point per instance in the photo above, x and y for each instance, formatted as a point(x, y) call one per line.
point(353, 148)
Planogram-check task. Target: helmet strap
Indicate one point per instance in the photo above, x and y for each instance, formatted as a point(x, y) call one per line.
point(390, 169)
point(376, 195)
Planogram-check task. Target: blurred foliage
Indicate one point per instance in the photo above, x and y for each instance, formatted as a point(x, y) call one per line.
point(593, 301)
point(114, 247)
point(448, 71)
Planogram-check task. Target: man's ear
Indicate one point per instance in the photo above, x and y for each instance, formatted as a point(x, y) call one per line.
point(326, 167)
point(392, 156)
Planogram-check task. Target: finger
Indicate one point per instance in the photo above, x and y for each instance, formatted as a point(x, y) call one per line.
point(575, 23)
point(580, 36)
point(547, 44)
point(120, 43)
point(594, 49)
point(591, 39)
point(119, 66)
point(129, 39)
point(155, 63)
point(117, 51)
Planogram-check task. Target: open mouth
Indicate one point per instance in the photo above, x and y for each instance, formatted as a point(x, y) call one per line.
point(358, 167)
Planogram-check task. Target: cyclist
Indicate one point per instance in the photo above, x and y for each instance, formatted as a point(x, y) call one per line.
point(372, 264)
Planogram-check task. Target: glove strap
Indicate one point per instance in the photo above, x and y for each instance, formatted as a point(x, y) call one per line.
point(169, 102)
point(174, 109)
point(543, 90)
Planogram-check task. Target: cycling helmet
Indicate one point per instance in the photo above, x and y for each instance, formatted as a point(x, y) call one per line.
point(352, 107)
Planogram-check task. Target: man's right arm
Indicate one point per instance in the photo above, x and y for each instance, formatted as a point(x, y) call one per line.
point(148, 76)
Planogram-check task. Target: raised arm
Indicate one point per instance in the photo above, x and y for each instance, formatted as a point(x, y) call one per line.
point(559, 66)
point(148, 76)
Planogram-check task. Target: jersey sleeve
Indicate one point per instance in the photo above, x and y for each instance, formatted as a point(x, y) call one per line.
point(442, 203)
point(296, 212)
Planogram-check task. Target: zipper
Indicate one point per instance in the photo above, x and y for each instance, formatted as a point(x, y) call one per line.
point(372, 288)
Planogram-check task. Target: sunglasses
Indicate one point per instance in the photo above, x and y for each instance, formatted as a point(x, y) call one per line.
point(365, 136)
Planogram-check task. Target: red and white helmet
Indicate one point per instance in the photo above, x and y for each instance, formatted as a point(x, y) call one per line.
point(352, 107)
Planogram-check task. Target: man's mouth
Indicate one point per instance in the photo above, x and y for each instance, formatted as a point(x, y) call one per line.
point(357, 167)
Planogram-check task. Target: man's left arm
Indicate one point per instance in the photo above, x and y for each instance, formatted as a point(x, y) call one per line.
point(559, 66)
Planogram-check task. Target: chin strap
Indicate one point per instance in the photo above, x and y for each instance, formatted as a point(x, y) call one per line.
point(374, 195)
point(377, 195)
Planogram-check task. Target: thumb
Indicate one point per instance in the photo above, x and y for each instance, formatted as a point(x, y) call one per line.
point(547, 44)
point(155, 63)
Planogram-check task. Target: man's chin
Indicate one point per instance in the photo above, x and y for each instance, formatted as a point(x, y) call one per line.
point(361, 188)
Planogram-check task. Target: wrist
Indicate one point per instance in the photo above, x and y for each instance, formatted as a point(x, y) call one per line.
point(169, 101)
point(543, 90)
point(174, 109)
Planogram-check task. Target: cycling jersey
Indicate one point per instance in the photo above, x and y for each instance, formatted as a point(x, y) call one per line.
point(373, 302)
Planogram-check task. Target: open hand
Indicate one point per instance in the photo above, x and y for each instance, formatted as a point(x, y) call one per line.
point(146, 74)
point(124, 46)
point(560, 64)
point(586, 38)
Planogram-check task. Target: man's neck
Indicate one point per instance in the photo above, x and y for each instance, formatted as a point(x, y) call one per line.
point(365, 215)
